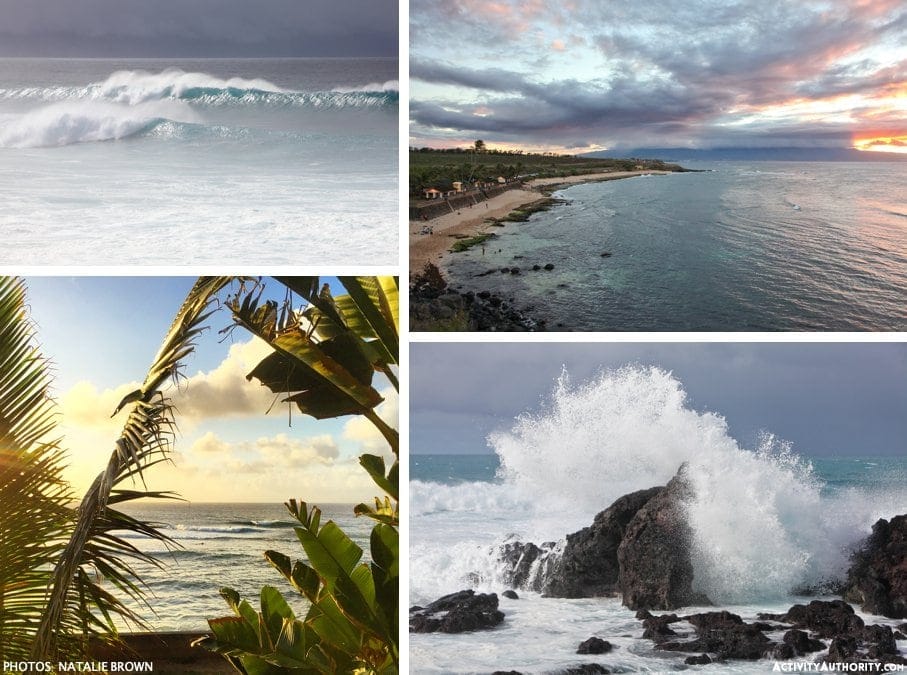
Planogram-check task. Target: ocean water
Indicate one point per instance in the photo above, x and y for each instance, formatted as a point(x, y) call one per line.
point(222, 545)
point(147, 161)
point(766, 521)
point(760, 246)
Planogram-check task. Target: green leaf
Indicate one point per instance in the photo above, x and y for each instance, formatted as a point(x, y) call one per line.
point(374, 465)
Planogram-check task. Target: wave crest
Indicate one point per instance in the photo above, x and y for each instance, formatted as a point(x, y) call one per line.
point(135, 87)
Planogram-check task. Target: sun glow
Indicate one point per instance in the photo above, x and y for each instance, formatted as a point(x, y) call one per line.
point(882, 144)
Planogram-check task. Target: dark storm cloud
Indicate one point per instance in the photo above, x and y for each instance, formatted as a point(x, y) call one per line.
point(828, 399)
point(675, 67)
point(164, 28)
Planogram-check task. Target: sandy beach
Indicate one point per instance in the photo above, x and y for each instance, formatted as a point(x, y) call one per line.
point(435, 248)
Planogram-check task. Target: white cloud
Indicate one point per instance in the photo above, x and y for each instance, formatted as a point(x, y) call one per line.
point(362, 432)
point(225, 391)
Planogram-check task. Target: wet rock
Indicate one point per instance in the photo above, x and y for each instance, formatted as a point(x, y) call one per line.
point(732, 642)
point(536, 268)
point(701, 660)
point(514, 270)
point(877, 578)
point(549, 266)
point(801, 643)
point(457, 613)
point(511, 595)
point(586, 669)
point(827, 618)
point(657, 628)
point(606, 254)
point(655, 569)
point(588, 566)
point(708, 620)
point(783, 652)
point(594, 645)
point(525, 565)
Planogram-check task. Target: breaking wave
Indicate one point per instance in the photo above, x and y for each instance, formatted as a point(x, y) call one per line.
point(764, 523)
point(132, 87)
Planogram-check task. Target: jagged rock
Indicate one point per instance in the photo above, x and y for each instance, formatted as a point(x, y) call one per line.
point(526, 565)
point(586, 669)
point(720, 619)
point(457, 613)
point(655, 569)
point(801, 643)
point(701, 660)
point(588, 566)
point(656, 627)
point(734, 641)
point(594, 645)
point(877, 578)
point(784, 651)
point(827, 618)
point(511, 594)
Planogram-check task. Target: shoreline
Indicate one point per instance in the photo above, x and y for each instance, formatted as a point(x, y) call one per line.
point(471, 221)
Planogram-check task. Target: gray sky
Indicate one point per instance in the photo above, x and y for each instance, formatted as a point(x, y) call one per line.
point(200, 28)
point(827, 399)
point(589, 75)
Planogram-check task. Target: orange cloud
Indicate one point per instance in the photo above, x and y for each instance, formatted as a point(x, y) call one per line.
point(882, 144)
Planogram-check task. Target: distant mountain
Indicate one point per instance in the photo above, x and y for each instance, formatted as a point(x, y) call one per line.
point(756, 154)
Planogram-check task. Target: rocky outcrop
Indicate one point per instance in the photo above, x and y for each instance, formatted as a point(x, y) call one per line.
point(656, 571)
point(588, 566)
point(877, 579)
point(457, 613)
point(525, 565)
point(594, 645)
point(727, 641)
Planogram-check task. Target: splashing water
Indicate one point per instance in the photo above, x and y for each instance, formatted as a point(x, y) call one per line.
point(763, 525)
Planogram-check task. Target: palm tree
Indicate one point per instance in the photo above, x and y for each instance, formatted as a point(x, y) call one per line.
point(50, 601)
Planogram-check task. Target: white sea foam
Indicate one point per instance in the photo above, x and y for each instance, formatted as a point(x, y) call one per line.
point(391, 86)
point(762, 525)
point(71, 122)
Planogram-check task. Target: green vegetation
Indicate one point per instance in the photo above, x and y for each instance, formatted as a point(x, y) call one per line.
point(441, 168)
point(324, 364)
point(54, 558)
point(521, 215)
point(465, 244)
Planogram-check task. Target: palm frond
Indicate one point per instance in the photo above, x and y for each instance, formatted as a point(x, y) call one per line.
point(77, 601)
point(34, 518)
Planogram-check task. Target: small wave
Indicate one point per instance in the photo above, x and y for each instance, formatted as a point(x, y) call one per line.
point(276, 524)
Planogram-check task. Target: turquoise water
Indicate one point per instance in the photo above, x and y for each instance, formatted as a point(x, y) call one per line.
point(760, 246)
point(836, 473)
point(153, 161)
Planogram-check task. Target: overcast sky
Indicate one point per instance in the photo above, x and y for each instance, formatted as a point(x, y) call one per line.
point(201, 28)
point(583, 75)
point(234, 444)
point(827, 399)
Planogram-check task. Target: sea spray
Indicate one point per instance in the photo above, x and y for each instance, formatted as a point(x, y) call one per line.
point(764, 525)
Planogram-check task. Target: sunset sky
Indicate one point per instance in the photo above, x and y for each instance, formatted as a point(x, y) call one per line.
point(101, 335)
point(584, 75)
